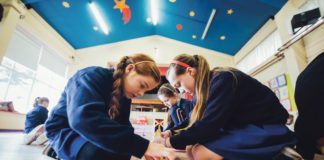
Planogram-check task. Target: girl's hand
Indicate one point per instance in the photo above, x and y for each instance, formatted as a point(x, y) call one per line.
point(168, 143)
point(157, 151)
point(166, 134)
point(159, 140)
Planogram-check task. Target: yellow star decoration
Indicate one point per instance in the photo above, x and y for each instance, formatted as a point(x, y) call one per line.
point(172, 1)
point(95, 28)
point(194, 36)
point(121, 5)
point(66, 4)
point(222, 37)
point(192, 13)
point(230, 11)
point(148, 20)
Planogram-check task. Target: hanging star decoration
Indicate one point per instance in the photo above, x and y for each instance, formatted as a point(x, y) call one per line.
point(124, 8)
point(230, 11)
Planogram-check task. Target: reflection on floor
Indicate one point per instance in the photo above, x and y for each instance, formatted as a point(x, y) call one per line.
point(11, 148)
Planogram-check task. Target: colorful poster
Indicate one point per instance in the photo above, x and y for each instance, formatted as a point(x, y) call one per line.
point(286, 103)
point(267, 84)
point(158, 123)
point(276, 91)
point(274, 83)
point(283, 92)
point(282, 80)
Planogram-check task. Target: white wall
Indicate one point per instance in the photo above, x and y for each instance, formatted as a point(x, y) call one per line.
point(162, 49)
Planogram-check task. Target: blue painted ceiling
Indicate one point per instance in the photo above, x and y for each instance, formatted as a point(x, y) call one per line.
point(235, 21)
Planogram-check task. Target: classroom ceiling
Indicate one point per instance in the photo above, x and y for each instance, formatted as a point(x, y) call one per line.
point(234, 23)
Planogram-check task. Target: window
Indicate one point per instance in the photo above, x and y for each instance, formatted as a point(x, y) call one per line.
point(30, 70)
point(260, 53)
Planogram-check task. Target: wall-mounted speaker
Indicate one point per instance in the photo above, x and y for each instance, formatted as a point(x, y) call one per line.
point(304, 18)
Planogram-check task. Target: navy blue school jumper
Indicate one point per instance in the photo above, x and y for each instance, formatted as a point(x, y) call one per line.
point(81, 116)
point(243, 120)
point(35, 117)
point(179, 112)
point(309, 96)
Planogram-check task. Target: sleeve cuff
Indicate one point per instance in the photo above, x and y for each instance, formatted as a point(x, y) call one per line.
point(139, 146)
point(178, 142)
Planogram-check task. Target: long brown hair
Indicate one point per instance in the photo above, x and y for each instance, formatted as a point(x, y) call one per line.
point(146, 69)
point(202, 79)
point(167, 90)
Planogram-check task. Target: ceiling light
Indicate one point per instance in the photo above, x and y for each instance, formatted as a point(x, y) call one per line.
point(99, 18)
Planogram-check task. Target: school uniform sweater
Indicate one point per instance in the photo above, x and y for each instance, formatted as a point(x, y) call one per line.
point(309, 95)
point(35, 117)
point(179, 112)
point(81, 116)
point(232, 104)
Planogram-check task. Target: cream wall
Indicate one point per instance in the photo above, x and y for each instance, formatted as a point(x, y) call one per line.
point(162, 49)
point(17, 15)
point(297, 56)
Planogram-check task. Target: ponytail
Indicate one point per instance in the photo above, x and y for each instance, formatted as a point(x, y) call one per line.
point(40, 100)
point(36, 101)
point(202, 81)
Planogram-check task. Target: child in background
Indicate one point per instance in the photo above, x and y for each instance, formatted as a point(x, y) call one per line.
point(34, 124)
point(179, 108)
point(235, 116)
point(91, 119)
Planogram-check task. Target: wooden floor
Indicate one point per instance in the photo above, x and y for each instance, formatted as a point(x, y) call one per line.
point(11, 148)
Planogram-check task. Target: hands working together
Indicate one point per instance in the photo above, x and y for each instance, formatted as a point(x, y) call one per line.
point(160, 147)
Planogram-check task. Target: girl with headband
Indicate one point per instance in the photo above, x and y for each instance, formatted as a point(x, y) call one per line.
point(234, 115)
point(91, 119)
point(179, 108)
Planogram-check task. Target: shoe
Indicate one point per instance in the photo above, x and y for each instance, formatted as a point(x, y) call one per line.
point(288, 153)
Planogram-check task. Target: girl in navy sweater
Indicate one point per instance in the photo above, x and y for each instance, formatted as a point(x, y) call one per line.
point(179, 108)
point(34, 124)
point(234, 117)
point(91, 119)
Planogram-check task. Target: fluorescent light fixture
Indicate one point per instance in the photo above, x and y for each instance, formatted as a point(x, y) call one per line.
point(208, 24)
point(154, 11)
point(99, 18)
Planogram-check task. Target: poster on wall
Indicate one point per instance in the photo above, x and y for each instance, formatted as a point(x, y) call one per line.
point(274, 83)
point(283, 92)
point(282, 87)
point(158, 123)
point(276, 91)
point(287, 105)
point(267, 84)
point(282, 80)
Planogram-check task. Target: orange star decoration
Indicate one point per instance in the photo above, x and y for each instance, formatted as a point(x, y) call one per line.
point(120, 5)
point(123, 9)
point(194, 36)
point(230, 11)
point(222, 37)
point(66, 4)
